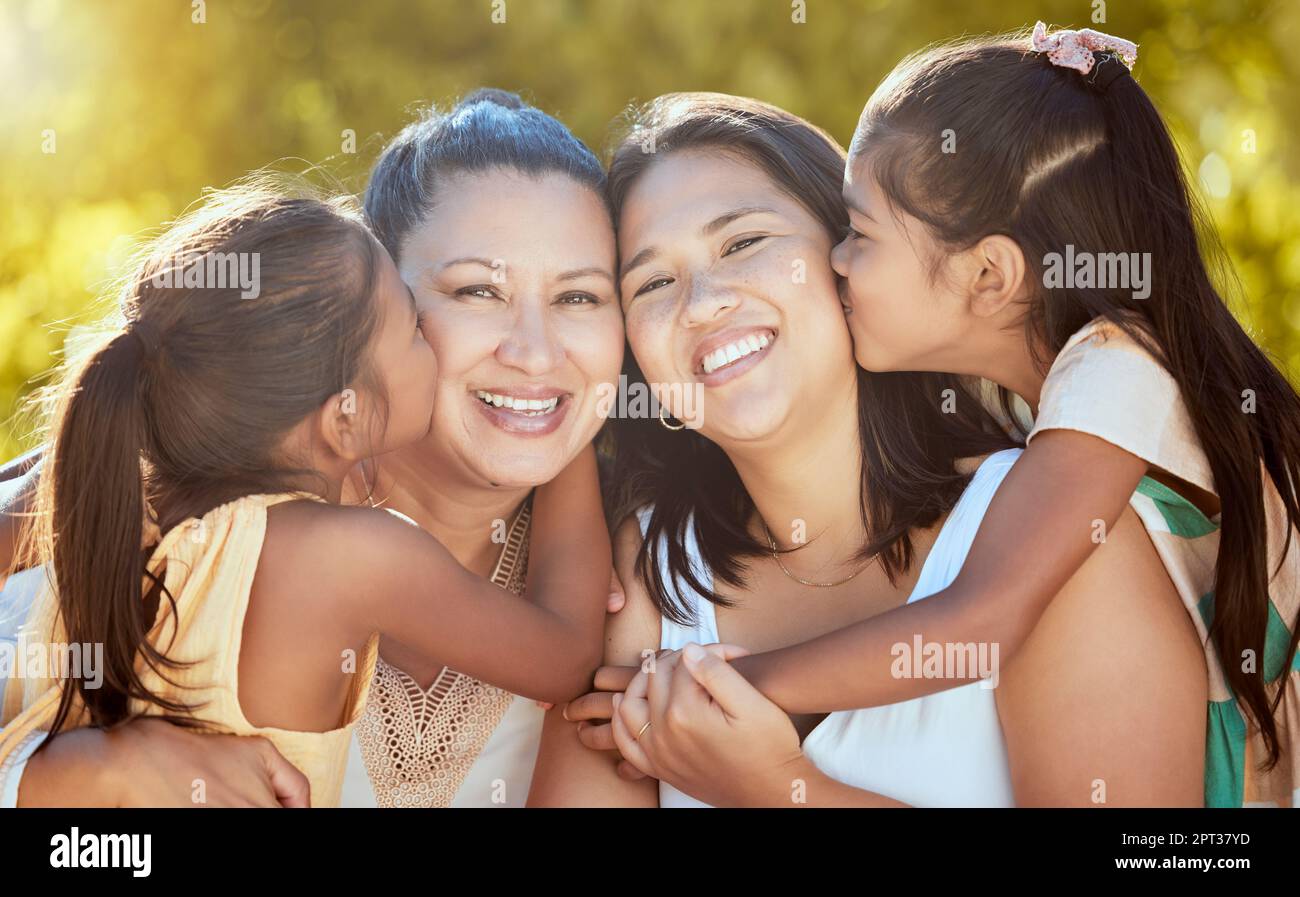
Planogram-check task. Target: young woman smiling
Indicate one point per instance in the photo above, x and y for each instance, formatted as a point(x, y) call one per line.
point(726, 232)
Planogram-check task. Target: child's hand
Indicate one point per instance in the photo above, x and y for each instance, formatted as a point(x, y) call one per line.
point(616, 596)
point(591, 713)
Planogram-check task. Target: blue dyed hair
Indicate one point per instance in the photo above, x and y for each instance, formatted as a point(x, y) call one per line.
point(487, 129)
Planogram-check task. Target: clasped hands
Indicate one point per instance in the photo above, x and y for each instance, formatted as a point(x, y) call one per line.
point(690, 719)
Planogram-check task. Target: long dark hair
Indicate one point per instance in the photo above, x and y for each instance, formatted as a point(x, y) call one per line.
point(488, 129)
point(1051, 159)
point(186, 407)
point(909, 445)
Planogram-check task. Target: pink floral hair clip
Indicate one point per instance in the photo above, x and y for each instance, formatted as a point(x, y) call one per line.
point(1074, 49)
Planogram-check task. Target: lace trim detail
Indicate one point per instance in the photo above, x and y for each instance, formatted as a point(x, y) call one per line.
point(418, 745)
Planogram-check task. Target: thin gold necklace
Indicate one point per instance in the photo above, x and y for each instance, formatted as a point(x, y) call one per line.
point(370, 498)
point(776, 556)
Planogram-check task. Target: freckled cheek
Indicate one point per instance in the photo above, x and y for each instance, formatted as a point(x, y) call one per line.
point(796, 279)
point(802, 262)
point(650, 331)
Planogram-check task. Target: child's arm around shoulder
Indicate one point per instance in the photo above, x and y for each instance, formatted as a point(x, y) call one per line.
point(1057, 502)
point(396, 579)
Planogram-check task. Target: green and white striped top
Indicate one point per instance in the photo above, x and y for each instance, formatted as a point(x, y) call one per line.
point(1104, 383)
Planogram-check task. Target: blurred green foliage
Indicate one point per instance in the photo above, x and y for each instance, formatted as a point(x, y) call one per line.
point(144, 107)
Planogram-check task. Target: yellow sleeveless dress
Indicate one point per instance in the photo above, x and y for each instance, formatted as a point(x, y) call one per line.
point(210, 564)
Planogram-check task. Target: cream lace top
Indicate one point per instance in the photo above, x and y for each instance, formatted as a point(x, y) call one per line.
point(417, 744)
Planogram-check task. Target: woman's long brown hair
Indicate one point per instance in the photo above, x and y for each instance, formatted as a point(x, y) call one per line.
point(1046, 157)
point(909, 445)
point(189, 407)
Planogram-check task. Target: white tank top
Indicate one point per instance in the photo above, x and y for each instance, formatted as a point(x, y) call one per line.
point(943, 750)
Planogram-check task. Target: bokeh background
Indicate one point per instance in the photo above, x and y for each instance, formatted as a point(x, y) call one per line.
point(143, 106)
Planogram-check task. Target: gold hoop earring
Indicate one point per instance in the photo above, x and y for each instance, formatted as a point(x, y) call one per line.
point(668, 426)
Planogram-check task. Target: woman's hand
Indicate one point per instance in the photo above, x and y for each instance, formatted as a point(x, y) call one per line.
point(153, 763)
point(710, 733)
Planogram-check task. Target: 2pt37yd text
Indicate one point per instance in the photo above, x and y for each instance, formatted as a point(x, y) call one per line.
point(1191, 839)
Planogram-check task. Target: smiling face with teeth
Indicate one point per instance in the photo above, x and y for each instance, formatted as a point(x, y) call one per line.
point(726, 283)
point(741, 347)
point(519, 404)
point(515, 278)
